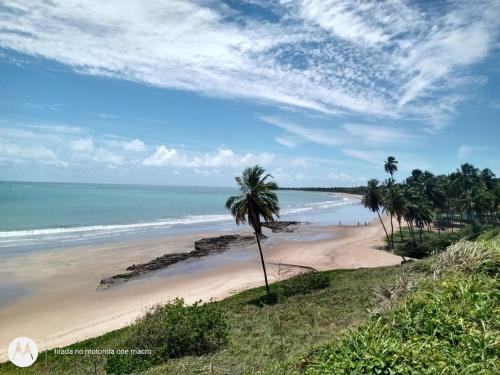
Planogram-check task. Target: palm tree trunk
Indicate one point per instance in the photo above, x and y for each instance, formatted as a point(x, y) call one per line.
point(385, 230)
point(410, 225)
point(438, 212)
point(451, 220)
point(263, 263)
point(392, 234)
point(400, 230)
point(420, 233)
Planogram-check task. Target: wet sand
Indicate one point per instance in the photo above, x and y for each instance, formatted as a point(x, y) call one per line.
point(63, 305)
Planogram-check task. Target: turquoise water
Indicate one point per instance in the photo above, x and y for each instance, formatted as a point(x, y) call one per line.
point(48, 215)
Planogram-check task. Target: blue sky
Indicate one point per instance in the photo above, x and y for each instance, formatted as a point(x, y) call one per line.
point(190, 91)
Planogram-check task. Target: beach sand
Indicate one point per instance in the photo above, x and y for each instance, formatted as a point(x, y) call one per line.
point(65, 307)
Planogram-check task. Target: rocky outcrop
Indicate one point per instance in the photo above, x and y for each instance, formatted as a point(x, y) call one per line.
point(203, 247)
point(282, 226)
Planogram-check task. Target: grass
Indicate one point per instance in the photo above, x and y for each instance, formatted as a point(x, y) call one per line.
point(263, 338)
point(447, 324)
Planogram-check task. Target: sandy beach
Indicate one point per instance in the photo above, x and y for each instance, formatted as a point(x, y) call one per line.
point(63, 304)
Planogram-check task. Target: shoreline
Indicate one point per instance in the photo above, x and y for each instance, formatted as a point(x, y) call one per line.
point(67, 307)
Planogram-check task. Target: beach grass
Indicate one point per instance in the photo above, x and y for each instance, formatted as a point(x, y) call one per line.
point(446, 324)
point(263, 338)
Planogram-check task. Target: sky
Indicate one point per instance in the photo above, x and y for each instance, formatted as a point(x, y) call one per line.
point(190, 92)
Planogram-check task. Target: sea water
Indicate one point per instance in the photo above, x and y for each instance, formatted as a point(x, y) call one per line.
point(37, 216)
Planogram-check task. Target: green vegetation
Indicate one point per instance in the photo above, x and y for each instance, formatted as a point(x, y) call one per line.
point(263, 338)
point(448, 324)
point(467, 197)
point(257, 200)
point(170, 331)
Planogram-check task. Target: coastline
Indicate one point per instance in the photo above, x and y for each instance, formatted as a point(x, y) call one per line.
point(67, 306)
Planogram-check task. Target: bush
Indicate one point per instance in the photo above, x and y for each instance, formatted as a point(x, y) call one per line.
point(413, 250)
point(469, 257)
point(448, 325)
point(489, 235)
point(473, 230)
point(170, 331)
point(432, 243)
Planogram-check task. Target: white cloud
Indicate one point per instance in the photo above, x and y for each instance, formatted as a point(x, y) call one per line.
point(83, 145)
point(378, 135)
point(349, 133)
point(162, 157)
point(370, 156)
point(58, 129)
point(134, 145)
point(369, 23)
point(466, 152)
point(223, 157)
point(35, 152)
point(321, 136)
point(287, 141)
point(384, 58)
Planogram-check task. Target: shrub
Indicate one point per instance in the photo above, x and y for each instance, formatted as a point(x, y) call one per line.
point(489, 235)
point(432, 243)
point(469, 257)
point(170, 331)
point(473, 230)
point(448, 325)
point(413, 250)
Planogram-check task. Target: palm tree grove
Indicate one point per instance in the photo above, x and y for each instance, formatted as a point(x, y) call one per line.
point(462, 203)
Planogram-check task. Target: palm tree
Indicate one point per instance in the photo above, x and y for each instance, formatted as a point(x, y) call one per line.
point(257, 200)
point(372, 199)
point(411, 211)
point(395, 204)
point(388, 209)
point(467, 176)
point(391, 165)
point(488, 178)
point(423, 215)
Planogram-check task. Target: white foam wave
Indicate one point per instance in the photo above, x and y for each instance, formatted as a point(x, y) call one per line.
point(296, 210)
point(320, 205)
point(82, 231)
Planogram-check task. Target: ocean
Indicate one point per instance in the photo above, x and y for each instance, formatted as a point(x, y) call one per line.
point(38, 216)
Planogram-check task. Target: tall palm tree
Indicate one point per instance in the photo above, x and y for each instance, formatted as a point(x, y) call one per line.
point(258, 199)
point(467, 176)
point(386, 204)
point(488, 178)
point(395, 204)
point(391, 165)
point(372, 199)
point(412, 202)
point(423, 215)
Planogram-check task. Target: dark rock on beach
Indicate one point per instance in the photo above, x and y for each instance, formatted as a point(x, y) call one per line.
point(282, 226)
point(203, 247)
